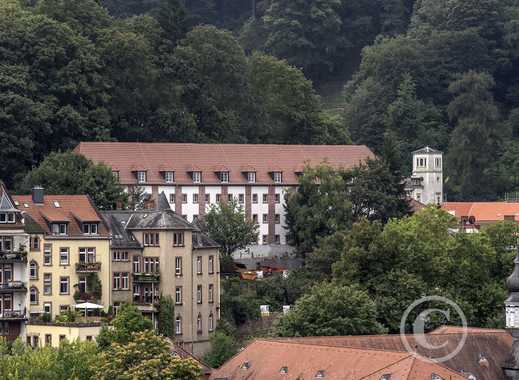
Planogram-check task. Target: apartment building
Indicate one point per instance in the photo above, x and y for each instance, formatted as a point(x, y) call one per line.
point(157, 252)
point(195, 176)
point(14, 244)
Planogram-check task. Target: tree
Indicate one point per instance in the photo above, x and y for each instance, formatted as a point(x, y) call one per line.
point(167, 316)
point(475, 137)
point(330, 309)
point(144, 356)
point(227, 225)
point(128, 320)
point(223, 347)
point(70, 173)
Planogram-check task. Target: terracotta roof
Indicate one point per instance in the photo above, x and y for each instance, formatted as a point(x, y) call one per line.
point(73, 209)
point(483, 211)
point(267, 359)
point(205, 157)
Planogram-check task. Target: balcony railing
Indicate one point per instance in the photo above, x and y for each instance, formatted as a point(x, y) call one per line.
point(88, 267)
point(146, 277)
point(13, 286)
point(12, 314)
point(13, 257)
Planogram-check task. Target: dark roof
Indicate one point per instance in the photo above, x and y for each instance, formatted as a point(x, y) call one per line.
point(201, 240)
point(209, 158)
point(157, 220)
point(116, 222)
point(426, 150)
point(284, 263)
point(162, 202)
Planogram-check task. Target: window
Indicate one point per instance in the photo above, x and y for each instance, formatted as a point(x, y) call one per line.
point(264, 239)
point(241, 198)
point(210, 294)
point(59, 228)
point(34, 296)
point(48, 340)
point(47, 284)
point(151, 239)
point(229, 197)
point(211, 265)
point(178, 239)
point(277, 218)
point(115, 174)
point(7, 217)
point(33, 270)
point(278, 198)
point(218, 196)
point(207, 198)
point(320, 374)
point(178, 295)
point(6, 243)
point(62, 338)
point(255, 218)
point(178, 325)
point(277, 239)
point(117, 281)
point(178, 266)
point(197, 177)
point(421, 162)
point(438, 162)
point(278, 177)
point(199, 264)
point(63, 256)
point(172, 198)
point(141, 176)
point(195, 198)
point(199, 323)
point(120, 256)
point(254, 198)
point(35, 243)
point(265, 198)
point(265, 218)
point(87, 255)
point(47, 307)
point(251, 177)
point(47, 254)
point(64, 285)
point(89, 338)
point(82, 284)
point(199, 294)
point(169, 177)
point(136, 264)
point(283, 370)
point(419, 197)
point(224, 177)
point(90, 228)
point(184, 198)
point(63, 308)
point(210, 321)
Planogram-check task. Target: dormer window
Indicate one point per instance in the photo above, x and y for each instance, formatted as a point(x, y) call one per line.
point(141, 176)
point(251, 177)
point(224, 177)
point(197, 176)
point(169, 177)
point(277, 177)
point(59, 228)
point(90, 228)
point(320, 374)
point(7, 217)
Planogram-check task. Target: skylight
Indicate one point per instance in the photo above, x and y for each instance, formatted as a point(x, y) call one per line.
point(56, 204)
point(320, 374)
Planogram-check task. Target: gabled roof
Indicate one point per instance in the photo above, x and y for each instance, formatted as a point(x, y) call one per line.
point(6, 202)
point(483, 211)
point(427, 150)
point(183, 158)
point(72, 209)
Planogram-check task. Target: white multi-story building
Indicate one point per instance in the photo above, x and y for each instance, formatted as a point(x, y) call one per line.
point(426, 182)
point(196, 176)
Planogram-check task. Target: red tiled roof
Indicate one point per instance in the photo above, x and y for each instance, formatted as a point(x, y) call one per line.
point(483, 211)
point(302, 361)
point(205, 157)
point(73, 209)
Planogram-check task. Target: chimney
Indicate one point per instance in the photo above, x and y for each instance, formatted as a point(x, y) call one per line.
point(37, 195)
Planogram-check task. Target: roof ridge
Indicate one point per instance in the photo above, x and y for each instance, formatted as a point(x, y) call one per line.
point(335, 346)
point(387, 366)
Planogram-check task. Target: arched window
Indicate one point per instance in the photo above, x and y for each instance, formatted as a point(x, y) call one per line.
point(210, 324)
point(199, 323)
point(33, 270)
point(34, 295)
point(178, 325)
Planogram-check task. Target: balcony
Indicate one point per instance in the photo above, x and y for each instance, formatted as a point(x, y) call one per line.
point(88, 267)
point(12, 315)
point(13, 286)
point(13, 257)
point(146, 278)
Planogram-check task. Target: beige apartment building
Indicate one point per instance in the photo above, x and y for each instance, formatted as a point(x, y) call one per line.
point(158, 253)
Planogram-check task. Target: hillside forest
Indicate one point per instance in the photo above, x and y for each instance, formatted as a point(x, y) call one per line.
point(392, 74)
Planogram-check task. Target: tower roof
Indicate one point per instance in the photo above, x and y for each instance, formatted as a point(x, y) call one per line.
point(427, 150)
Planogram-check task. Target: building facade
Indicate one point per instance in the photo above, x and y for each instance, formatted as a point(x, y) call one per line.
point(158, 253)
point(426, 182)
point(195, 176)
